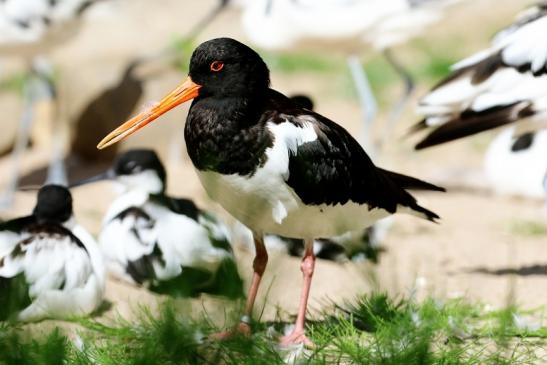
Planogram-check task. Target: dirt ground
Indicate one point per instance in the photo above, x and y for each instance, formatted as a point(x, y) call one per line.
point(477, 251)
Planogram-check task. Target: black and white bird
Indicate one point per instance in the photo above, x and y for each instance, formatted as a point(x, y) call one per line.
point(274, 166)
point(50, 267)
point(502, 85)
point(168, 245)
point(354, 246)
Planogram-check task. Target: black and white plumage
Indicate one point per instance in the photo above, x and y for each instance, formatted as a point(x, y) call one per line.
point(166, 244)
point(314, 178)
point(505, 84)
point(516, 164)
point(50, 267)
point(502, 84)
point(362, 245)
point(274, 166)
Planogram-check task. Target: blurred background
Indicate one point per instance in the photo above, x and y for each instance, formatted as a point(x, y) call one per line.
point(118, 56)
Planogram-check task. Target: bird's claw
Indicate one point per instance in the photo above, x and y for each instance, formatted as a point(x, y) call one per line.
point(296, 338)
point(242, 329)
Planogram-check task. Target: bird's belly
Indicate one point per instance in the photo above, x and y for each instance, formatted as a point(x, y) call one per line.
point(273, 207)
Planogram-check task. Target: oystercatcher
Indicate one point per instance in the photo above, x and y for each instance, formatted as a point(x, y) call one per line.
point(166, 244)
point(501, 85)
point(355, 246)
point(274, 166)
point(50, 267)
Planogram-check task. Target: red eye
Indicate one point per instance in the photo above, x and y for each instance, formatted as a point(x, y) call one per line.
point(217, 66)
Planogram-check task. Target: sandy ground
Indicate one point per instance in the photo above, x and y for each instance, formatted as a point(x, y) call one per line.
point(475, 252)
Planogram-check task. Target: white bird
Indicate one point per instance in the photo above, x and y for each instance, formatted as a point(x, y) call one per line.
point(50, 267)
point(501, 85)
point(344, 26)
point(166, 244)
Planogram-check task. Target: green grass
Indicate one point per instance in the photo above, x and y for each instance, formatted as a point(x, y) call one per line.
point(373, 329)
point(13, 82)
point(528, 228)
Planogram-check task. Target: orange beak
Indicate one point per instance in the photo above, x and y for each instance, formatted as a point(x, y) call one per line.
point(186, 91)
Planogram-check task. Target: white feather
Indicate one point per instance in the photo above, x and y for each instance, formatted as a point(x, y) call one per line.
point(181, 240)
point(64, 279)
point(517, 172)
point(287, 24)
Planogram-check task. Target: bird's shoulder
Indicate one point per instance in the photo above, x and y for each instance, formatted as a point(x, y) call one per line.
point(181, 206)
point(328, 166)
point(44, 234)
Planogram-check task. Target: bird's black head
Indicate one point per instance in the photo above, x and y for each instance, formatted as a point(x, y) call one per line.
point(219, 68)
point(141, 167)
point(226, 67)
point(54, 204)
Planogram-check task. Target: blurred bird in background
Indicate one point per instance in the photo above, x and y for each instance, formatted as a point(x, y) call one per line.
point(346, 27)
point(502, 86)
point(166, 244)
point(29, 29)
point(50, 267)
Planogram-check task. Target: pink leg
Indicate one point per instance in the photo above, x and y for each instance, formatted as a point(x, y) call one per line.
point(307, 266)
point(259, 266)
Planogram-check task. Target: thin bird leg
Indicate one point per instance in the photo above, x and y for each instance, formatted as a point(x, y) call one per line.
point(399, 106)
point(46, 90)
point(545, 190)
point(366, 97)
point(259, 266)
point(307, 267)
point(21, 143)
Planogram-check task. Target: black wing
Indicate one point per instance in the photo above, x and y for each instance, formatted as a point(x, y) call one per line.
point(334, 169)
point(179, 206)
point(472, 122)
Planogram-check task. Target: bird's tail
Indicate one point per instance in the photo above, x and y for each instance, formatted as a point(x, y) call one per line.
point(411, 183)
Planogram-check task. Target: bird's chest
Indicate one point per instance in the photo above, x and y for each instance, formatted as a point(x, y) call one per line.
point(220, 144)
point(257, 200)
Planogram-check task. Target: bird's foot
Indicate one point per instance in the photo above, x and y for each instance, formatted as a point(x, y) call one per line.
point(297, 337)
point(242, 329)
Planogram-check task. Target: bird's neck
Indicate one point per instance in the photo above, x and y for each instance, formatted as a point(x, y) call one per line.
point(227, 135)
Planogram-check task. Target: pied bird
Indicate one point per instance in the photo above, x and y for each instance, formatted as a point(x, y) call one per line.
point(50, 267)
point(167, 244)
point(274, 166)
point(504, 84)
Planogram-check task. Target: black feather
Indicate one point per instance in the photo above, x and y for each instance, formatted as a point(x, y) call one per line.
point(523, 142)
point(411, 183)
point(471, 122)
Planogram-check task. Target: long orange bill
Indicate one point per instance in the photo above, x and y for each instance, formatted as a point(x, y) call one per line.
point(186, 91)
